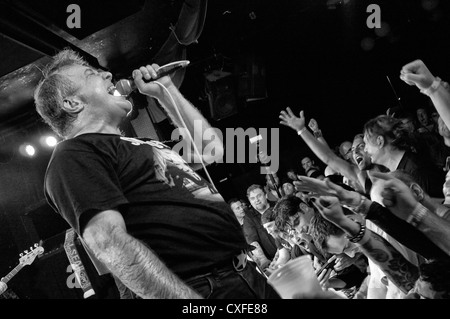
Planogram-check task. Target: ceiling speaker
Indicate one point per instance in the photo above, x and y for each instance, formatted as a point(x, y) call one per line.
point(221, 92)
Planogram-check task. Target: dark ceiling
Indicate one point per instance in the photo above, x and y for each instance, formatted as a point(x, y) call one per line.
point(313, 50)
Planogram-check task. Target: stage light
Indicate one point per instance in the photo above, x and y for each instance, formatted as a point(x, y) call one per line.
point(30, 150)
point(48, 141)
point(51, 141)
point(27, 150)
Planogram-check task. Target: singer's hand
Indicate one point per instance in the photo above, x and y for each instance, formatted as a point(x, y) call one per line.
point(146, 73)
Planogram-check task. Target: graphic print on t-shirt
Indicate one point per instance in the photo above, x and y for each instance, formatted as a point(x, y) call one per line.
point(173, 170)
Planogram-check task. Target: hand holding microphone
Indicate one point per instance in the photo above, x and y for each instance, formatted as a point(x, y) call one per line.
point(143, 77)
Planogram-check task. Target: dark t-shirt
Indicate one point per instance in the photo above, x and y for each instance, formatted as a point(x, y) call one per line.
point(424, 172)
point(255, 231)
point(163, 201)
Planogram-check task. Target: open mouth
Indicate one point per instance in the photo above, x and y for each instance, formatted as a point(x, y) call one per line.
point(359, 160)
point(112, 90)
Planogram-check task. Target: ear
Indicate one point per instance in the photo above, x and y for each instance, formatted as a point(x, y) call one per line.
point(419, 194)
point(380, 141)
point(73, 105)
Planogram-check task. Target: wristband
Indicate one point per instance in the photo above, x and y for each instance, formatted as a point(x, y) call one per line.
point(417, 215)
point(433, 87)
point(300, 132)
point(359, 235)
point(318, 134)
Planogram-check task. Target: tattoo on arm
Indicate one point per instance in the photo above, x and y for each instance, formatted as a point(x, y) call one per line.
point(136, 265)
point(394, 265)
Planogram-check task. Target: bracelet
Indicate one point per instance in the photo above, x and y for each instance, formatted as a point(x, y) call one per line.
point(433, 87)
point(300, 132)
point(359, 235)
point(318, 134)
point(417, 215)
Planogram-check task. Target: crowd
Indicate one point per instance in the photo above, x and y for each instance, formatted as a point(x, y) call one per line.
point(375, 222)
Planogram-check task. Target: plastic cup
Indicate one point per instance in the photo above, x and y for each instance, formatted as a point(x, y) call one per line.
point(296, 278)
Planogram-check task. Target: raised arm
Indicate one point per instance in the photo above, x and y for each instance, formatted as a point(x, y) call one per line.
point(397, 197)
point(321, 150)
point(191, 123)
point(314, 126)
point(376, 248)
point(416, 73)
point(133, 263)
point(383, 217)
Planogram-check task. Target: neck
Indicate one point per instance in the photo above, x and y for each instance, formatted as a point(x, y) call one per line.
point(263, 210)
point(94, 127)
point(240, 220)
point(391, 158)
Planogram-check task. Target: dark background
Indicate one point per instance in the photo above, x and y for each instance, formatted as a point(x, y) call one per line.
point(311, 55)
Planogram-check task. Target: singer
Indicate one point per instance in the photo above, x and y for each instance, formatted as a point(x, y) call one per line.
point(158, 227)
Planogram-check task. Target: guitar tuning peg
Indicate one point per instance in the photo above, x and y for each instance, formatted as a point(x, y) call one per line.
point(31, 248)
point(21, 254)
point(26, 251)
point(35, 245)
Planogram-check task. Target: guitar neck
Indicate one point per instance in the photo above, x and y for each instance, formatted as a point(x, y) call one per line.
point(12, 273)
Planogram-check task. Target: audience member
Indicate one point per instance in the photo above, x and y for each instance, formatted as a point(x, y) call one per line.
point(425, 123)
point(255, 234)
point(388, 143)
point(311, 169)
point(350, 266)
point(273, 188)
point(238, 209)
point(406, 276)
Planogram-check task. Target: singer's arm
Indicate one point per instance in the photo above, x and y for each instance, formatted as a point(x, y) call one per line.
point(183, 114)
point(133, 263)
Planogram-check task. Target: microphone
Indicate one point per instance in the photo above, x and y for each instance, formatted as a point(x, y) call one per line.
point(126, 86)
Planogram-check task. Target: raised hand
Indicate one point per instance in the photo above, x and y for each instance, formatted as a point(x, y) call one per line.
point(289, 119)
point(313, 125)
point(330, 209)
point(397, 196)
point(416, 73)
point(146, 73)
point(314, 185)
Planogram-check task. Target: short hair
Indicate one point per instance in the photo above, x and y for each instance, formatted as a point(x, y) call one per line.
point(320, 229)
point(253, 187)
point(53, 88)
point(233, 200)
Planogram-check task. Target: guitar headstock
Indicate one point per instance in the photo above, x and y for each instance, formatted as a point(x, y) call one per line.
point(27, 257)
